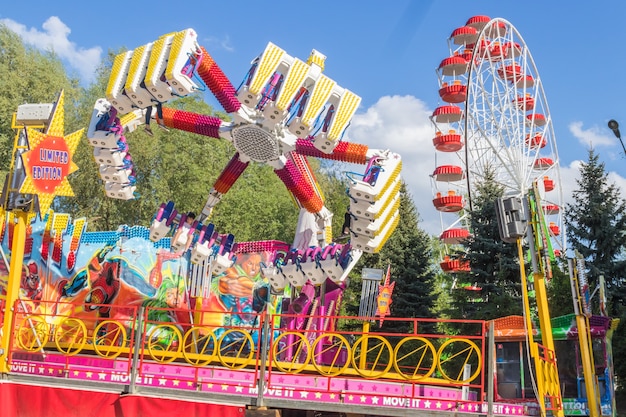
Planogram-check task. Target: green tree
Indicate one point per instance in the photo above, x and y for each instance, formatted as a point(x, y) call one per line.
point(559, 291)
point(492, 289)
point(28, 75)
point(596, 228)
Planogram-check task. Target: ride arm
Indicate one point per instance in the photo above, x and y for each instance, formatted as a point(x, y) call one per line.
point(298, 184)
point(354, 153)
point(200, 124)
point(218, 83)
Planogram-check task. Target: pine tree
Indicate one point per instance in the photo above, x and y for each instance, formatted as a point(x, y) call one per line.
point(494, 279)
point(596, 228)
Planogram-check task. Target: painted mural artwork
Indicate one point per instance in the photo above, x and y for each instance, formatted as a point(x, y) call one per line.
point(123, 268)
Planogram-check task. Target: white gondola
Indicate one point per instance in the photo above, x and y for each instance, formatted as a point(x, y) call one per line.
point(115, 174)
point(159, 229)
point(372, 227)
point(120, 191)
point(102, 138)
point(293, 273)
point(111, 157)
point(373, 245)
point(135, 87)
point(222, 263)
point(275, 277)
point(374, 209)
point(182, 58)
point(115, 88)
point(382, 173)
point(201, 252)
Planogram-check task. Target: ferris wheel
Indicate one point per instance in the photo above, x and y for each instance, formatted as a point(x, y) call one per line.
point(494, 120)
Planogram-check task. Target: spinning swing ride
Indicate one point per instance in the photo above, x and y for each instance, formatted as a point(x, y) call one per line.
point(285, 111)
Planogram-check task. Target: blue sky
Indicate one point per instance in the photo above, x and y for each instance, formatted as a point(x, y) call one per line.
point(386, 52)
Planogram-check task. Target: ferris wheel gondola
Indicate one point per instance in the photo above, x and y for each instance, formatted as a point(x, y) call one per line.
point(494, 120)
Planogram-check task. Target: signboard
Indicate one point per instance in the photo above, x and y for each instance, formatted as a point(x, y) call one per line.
point(48, 161)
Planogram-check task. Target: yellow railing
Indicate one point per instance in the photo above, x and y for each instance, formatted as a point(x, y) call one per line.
point(434, 359)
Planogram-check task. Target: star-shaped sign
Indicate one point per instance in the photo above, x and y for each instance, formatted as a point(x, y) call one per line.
point(48, 161)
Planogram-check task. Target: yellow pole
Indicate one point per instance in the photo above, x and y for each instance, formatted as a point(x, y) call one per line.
point(197, 316)
point(542, 311)
point(15, 276)
point(584, 342)
point(588, 365)
point(534, 352)
point(363, 358)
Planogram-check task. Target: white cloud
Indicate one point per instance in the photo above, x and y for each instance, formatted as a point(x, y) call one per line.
point(569, 175)
point(592, 137)
point(402, 125)
point(55, 37)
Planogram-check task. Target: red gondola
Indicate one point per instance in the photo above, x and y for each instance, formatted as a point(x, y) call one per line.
point(543, 163)
point(455, 93)
point(551, 209)
point(478, 22)
point(448, 173)
point(525, 103)
point(496, 30)
point(464, 35)
point(448, 203)
point(450, 142)
point(453, 65)
point(454, 265)
point(537, 119)
point(548, 184)
point(481, 48)
point(454, 236)
point(554, 229)
point(497, 52)
point(514, 49)
point(527, 81)
point(536, 141)
point(447, 114)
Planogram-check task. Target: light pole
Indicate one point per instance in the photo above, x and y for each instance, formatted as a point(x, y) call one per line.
point(614, 126)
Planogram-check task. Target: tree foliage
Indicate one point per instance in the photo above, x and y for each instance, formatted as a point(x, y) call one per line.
point(596, 228)
point(29, 76)
point(492, 289)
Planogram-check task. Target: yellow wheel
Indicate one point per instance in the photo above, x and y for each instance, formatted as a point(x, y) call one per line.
point(372, 356)
point(291, 352)
point(235, 349)
point(70, 336)
point(32, 334)
point(163, 342)
point(199, 346)
point(454, 355)
point(414, 358)
point(109, 338)
point(331, 354)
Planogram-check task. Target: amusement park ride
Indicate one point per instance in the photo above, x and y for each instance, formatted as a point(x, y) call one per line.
point(179, 315)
